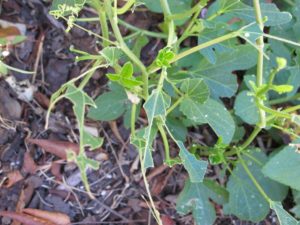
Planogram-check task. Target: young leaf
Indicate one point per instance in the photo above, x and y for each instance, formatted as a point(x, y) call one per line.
point(125, 78)
point(246, 108)
point(195, 198)
point(213, 113)
point(284, 167)
point(281, 89)
point(283, 216)
point(164, 57)
point(195, 90)
point(245, 201)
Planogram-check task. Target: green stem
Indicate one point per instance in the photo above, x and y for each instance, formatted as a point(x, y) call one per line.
point(178, 101)
point(89, 75)
point(186, 32)
point(199, 47)
point(132, 119)
point(103, 21)
point(255, 182)
point(114, 24)
point(165, 141)
point(128, 26)
point(145, 32)
point(250, 138)
point(125, 7)
point(274, 112)
point(260, 60)
point(171, 26)
point(284, 99)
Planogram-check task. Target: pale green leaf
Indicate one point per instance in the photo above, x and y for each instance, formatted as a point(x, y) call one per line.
point(283, 216)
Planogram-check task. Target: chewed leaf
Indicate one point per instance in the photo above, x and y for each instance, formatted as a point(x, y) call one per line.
point(213, 113)
point(196, 168)
point(283, 216)
point(91, 141)
point(155, 107)
point(195, 198)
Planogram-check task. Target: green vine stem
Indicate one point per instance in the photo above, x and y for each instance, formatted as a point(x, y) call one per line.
point(103, 21)
point(199, 6)
point(255, 182)
point(171, 26)
point(132, 119)
point(125, 7)
point(165, 142)
point(113, 18)
point(260, 60)
point(284, 99)
point(198, 48)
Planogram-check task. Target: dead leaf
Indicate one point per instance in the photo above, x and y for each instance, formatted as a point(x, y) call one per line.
point(42, 99)
point(167, 220)
point(55, 170)
point(25, 219)
point(20, 206)
point(29, 165)
point(54, 217)
point(13, 177)
point(58, 148)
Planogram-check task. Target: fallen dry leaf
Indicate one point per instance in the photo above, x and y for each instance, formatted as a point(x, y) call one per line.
point(55, 170)
point(25, 219)
point(13, 177)
point(29, 165)
point(54, 217)
point(167, 220)
point(58, 148)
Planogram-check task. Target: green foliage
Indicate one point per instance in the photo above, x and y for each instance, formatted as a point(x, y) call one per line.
point(245, 200)
point(200, 86)
point(284, 166)
point(195, 198)
point(212, 113)
point(110, 105)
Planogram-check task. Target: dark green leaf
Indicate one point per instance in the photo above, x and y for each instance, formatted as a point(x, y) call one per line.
point(245, 201)
point(213, 113)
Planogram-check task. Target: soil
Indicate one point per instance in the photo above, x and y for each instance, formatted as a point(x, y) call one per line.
point(49, 183)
